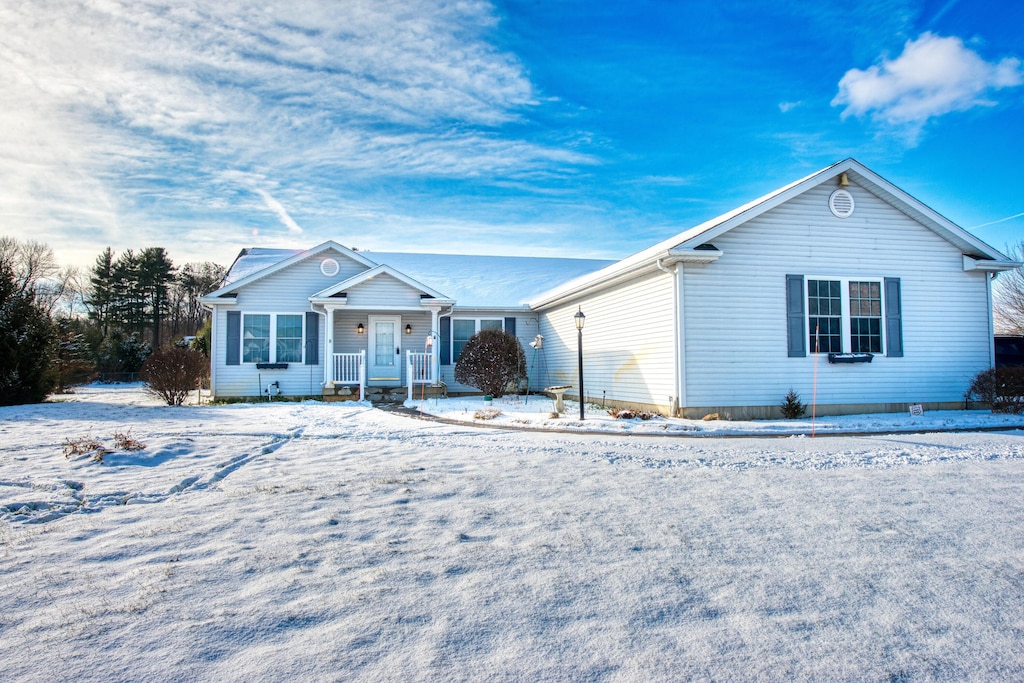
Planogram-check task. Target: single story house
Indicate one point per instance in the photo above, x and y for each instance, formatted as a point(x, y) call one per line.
point(839, 285)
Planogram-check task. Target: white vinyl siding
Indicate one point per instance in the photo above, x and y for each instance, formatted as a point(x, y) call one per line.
point(628, 340)
point(286, 291)
point(384, 291)
point(736, 348)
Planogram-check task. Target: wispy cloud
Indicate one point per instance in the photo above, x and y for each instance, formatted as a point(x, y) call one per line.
point(788, 106)
point(933, 76)
point(117, 111)
point(279, 211)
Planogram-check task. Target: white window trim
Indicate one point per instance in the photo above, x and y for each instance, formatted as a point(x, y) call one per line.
point(845, 322)
point(273, 338)
point(476, 329)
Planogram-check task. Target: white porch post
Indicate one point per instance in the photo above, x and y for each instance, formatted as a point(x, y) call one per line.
point(329, 348)
point(436, 346)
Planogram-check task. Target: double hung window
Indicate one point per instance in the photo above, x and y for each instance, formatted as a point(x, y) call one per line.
point(271, 338)
point(844, 316)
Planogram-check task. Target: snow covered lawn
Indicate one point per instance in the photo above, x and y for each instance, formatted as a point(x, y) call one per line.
point(336, 542)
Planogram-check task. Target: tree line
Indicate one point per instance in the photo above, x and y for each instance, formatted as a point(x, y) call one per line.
point(60, 326)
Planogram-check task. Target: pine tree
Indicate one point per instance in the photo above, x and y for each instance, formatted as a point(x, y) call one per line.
point(101, 284)
point(26, 342)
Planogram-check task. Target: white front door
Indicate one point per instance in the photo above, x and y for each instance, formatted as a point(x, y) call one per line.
point(384, 352)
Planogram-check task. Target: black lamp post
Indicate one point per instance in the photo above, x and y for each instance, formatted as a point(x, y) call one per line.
point(580, 319)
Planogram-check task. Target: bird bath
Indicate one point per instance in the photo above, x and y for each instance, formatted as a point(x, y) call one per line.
point(558, 391)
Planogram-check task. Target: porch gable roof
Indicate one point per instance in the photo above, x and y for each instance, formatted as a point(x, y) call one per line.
point(330, 295)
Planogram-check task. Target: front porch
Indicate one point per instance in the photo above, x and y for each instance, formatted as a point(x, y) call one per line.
point(348, 379)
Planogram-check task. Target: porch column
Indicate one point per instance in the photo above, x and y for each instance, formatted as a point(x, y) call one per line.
point(436, 346)
point(329, 348)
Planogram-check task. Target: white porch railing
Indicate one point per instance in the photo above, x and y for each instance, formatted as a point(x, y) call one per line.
point(350, 368)
point(420, 369)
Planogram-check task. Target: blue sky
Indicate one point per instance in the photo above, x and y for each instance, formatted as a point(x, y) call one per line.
point(586, 128)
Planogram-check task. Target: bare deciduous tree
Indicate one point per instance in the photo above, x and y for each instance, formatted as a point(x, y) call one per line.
point(1008, 296)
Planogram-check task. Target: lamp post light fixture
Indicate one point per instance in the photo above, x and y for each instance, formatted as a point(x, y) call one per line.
point(580, 319)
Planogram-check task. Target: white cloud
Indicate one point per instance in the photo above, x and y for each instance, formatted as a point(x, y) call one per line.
point(933, 76)
point(279, 211)
point(788, 106)
point(123, 114)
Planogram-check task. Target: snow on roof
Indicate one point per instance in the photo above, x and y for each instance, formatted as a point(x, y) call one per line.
point(255, 259)
point(472, 281)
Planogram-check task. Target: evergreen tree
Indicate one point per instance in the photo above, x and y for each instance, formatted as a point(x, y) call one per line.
point(26, 342)
point(101, 285)
point(156, 273)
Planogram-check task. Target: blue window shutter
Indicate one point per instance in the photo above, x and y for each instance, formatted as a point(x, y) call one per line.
point(234, 338)
point(446, 341)
point(893, 318)
point(795, 316)
point(312, 338)
point(510, 326)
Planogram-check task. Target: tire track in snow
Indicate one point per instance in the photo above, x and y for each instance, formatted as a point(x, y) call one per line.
point(79, 502)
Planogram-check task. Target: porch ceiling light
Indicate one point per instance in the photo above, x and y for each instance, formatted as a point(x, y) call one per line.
point(360, 328)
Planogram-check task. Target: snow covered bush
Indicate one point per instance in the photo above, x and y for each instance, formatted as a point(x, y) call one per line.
point(1001, 388)
point(493, 362)
point(172, 373)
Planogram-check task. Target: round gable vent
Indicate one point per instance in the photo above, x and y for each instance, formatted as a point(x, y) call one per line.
point(840, 203)
point(329, 267)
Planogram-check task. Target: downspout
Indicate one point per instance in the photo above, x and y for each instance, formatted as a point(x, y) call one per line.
point(678, 400)
point(991, 322)
point(214, 345)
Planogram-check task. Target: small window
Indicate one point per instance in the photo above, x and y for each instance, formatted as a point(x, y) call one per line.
point(866, 317)
point(825, 316)
point(289, 339)
point(256, 339)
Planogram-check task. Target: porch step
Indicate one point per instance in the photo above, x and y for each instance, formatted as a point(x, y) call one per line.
point(381, 394)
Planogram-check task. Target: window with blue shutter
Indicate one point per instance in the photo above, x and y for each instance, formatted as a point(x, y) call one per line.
point(234, 338)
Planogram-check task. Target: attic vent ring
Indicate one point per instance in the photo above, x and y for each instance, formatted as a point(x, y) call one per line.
point(329, 267)
point(840, 203)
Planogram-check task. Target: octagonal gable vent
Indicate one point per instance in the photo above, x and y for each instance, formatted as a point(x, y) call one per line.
point(840, 203)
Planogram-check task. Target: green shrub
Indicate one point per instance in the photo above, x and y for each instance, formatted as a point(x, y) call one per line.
point(493, 362)
point(27, 343)
point(1001, 388)
point(792, 407)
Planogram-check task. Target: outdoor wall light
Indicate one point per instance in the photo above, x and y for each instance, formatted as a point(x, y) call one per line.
point(408, 328)
point(360, 328)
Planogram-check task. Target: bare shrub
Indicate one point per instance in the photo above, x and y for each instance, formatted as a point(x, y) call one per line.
point(493, 362)
point(124, 441)
point(630, 414)
point(487, 414)
point(1001, 388)
point(85, 445)
point(173, 372)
